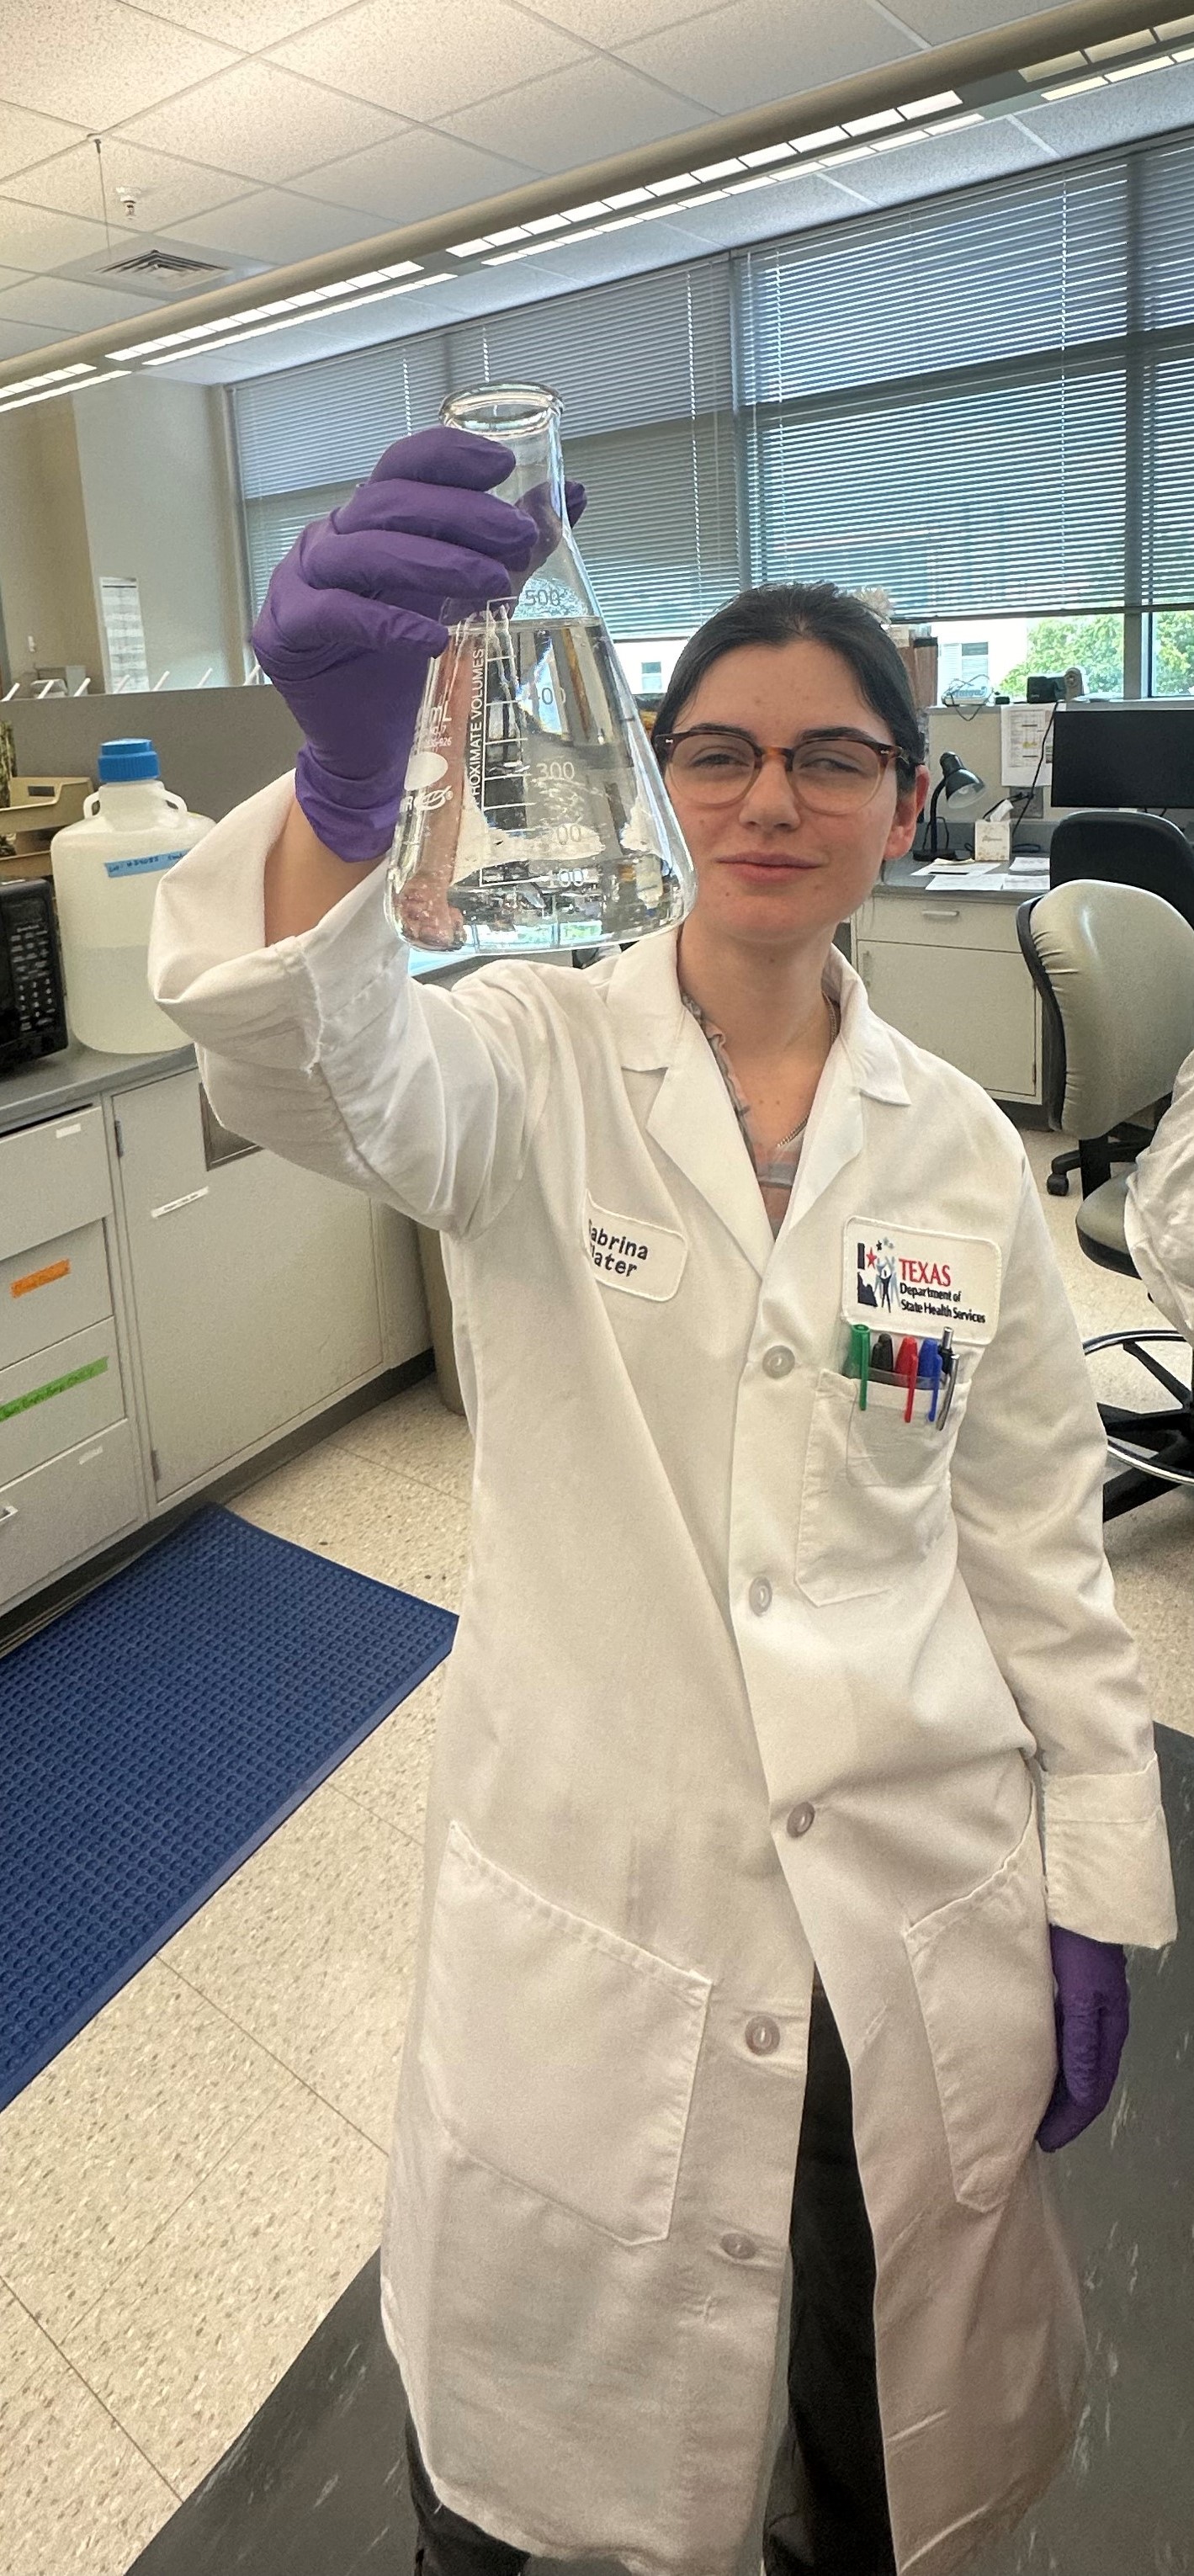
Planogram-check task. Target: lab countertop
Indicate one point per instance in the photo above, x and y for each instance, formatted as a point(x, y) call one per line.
point(55, 1084)
point(912, 876)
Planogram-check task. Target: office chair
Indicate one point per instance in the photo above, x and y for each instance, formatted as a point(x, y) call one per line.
point(1116, 975)
point(1121, 849)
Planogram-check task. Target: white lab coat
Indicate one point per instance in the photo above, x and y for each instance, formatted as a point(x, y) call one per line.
point(1159, 1208)
point(744, 1681)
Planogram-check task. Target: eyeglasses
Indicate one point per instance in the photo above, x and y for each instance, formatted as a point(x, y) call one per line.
point(833, 770)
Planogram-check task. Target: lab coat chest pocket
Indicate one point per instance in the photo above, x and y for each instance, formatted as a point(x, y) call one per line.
point(556, 2052)
point(875, 1493)
point(984, 1981)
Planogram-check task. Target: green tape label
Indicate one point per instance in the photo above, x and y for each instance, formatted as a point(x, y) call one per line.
point(55, 1386)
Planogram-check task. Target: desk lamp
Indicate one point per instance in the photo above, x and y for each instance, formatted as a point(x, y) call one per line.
point(955, 780)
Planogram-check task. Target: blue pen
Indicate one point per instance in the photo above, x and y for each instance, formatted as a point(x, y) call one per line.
point(928, 1373)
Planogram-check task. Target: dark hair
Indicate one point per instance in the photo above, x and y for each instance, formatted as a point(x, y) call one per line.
point(790, 612)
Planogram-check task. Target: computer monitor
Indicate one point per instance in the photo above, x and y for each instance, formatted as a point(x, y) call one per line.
point(1141, 753)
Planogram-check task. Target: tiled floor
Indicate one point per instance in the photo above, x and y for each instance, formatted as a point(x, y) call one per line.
point(186, 2191)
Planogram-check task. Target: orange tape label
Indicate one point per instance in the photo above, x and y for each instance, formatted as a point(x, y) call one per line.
point(39, 1278)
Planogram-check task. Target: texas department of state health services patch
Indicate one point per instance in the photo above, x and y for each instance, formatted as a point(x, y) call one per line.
point(891, 1276)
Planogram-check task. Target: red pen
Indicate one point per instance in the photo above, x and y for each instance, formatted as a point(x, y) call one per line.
point(907, 1362)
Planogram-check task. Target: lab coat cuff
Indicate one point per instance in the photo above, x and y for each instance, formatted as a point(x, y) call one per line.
point(283, 1006)
point(1107, 1871)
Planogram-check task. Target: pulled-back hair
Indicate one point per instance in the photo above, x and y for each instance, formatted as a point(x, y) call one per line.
point(796, 612)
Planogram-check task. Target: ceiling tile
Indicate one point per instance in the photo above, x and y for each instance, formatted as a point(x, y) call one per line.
point(614, 22)
point(64, 304)
point(948, 161)
point(1119, 114)
point(34, 237)
point(273, 224)
point(261, 122)
point(95, 61)
point(229, 23)
point(16, 340)
point(420, 173)
point(577, 117)
point(947, 22)
point(166, 190)
point(422, 62)
point(25, 138)
point(757, 50)
point(12, 277)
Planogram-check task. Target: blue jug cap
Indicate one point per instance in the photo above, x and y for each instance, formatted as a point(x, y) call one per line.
point(135, 757)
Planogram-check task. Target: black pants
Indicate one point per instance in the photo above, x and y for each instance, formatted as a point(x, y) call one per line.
point(827, 2506)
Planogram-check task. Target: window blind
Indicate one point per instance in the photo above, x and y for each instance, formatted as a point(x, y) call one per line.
point(936, 398)
point(643, 371)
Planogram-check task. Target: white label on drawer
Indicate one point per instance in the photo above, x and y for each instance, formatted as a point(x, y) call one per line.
point(169, 1205)
point(86, 1455)
point(76, 1130)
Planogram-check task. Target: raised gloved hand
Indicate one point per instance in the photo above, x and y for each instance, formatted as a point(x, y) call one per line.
point(1091, 2008)
point(352, 617)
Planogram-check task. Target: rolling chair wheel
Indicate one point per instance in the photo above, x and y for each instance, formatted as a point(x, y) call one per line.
point(1058, 1185)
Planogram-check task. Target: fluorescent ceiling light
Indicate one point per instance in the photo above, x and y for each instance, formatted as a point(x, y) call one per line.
point(1132, 71)
point(311, 295)
point(857, 152)
point(670, 187)
point(954, 124)
point(51, 376)
point(934, 106)
point(293, 321)
point(1111, 46)
point(817, 142)
point(546, 224)
point(1070, 89)
point(466, 250)
point(1054, 69)
point(50, 393)
point(768, 152)
point(718, 169)
point(896, 142)
point(1174, 27)
point(629, 197)
point(873, 124)
point(583, 214)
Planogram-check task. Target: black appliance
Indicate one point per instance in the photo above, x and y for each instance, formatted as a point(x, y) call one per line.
point(32, 991)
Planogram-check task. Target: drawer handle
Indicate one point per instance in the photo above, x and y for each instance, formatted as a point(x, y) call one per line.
point(61, 1132)
point(8, 1511)
point(86, 1455)
point(942, 912)
point(170, 1205)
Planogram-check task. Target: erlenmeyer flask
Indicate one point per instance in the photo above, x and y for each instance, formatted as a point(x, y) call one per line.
point(534, 816)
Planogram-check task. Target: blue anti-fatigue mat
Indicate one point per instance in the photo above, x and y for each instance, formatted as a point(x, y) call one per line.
point(152, 1736)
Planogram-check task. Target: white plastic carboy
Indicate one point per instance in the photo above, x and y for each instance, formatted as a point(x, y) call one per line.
point(107, 870)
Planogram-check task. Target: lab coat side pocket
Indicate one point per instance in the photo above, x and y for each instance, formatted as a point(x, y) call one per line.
point(874, 1496)
point(984, 1980)
point(554, 2051)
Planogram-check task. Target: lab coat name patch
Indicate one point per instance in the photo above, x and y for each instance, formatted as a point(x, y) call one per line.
point(891, 1275)
point(626, 1252)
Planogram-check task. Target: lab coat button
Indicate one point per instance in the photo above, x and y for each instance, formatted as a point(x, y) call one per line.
point(779, 1362)
point(800, 1819)
point(762, 2035)
point(741, 2248)
point(759, 1595)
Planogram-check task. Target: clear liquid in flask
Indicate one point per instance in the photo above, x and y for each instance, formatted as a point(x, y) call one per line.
point(534, 815)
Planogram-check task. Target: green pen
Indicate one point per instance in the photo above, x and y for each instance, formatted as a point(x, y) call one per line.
point(859, 1360)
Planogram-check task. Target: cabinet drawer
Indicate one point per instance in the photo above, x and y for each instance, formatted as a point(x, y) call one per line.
point(53, 1177)
point(57, 1399)
point(52, 1290)
point(941, 920)
point(66, 1510)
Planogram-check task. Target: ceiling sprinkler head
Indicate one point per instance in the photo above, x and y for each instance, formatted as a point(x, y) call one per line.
point(128, 200)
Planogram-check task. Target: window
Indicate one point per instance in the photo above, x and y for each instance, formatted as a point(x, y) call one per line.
point(979, 402)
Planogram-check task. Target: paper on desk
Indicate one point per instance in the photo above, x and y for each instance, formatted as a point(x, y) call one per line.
point(992, 880)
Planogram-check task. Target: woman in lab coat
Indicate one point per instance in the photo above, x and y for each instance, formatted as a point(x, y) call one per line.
point(762, 1699)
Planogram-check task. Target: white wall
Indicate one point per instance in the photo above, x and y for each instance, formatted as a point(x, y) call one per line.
point(159, 505)
point(46, 589)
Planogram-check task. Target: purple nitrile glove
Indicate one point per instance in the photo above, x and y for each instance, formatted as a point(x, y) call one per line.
point(1091, 2008)
point(352, 618)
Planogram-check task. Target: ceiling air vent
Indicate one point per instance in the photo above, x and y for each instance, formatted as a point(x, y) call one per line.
point(164, 264)
point(163, 271)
